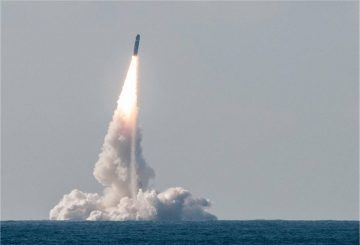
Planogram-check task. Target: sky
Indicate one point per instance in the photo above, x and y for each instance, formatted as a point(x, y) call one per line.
point(253, 105)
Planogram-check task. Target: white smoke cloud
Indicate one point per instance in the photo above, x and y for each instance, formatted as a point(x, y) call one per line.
point(125, 175)
point(172, 204)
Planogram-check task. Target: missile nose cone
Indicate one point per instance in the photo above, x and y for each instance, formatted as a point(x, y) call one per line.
point(136, 46)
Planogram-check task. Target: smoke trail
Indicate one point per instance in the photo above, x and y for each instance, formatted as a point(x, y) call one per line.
point(133, 161)
point(123, 171)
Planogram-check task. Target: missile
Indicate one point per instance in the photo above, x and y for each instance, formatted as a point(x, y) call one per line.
point(136, 46)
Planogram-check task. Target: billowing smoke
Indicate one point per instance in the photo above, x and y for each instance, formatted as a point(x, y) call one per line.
point(125, 175)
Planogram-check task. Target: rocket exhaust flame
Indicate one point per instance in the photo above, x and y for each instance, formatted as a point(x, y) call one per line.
point(127, 102)
point(123, 171)
point(127, 106)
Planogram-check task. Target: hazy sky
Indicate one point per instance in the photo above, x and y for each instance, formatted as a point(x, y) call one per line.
point(252, 105)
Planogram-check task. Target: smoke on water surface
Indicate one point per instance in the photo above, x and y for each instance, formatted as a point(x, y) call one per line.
point(125, 175)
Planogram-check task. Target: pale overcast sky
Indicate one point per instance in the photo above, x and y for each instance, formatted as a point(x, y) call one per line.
point(252, 105)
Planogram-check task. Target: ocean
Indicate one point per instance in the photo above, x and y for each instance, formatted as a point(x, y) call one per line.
point(187, 232)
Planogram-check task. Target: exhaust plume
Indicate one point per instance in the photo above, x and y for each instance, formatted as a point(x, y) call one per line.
point(125, 175)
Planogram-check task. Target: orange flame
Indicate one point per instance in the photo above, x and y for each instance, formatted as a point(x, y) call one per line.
point(127, 102)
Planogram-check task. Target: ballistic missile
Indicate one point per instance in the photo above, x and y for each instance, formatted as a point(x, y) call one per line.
point(136, 46)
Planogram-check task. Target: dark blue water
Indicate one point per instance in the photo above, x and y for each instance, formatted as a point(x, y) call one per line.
point(214, 232)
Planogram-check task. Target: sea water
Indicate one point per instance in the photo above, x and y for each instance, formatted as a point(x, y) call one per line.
point(154, 232)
